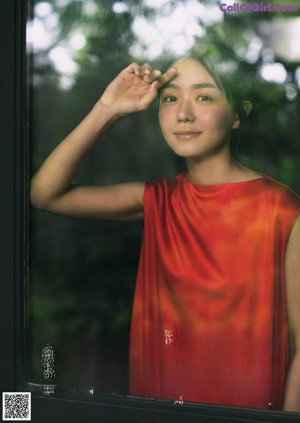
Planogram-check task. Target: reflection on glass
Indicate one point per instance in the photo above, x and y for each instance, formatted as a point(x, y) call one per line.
point(83, 272)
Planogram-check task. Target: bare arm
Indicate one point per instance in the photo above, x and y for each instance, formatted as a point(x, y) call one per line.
point(292, 391)
point(131, 91)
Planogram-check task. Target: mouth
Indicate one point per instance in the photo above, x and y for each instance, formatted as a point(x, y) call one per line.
point(187, 134)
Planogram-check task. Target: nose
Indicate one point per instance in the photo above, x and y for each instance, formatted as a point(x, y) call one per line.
point(185, 112)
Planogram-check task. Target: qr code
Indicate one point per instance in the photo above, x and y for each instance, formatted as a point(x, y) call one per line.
point(16, 406)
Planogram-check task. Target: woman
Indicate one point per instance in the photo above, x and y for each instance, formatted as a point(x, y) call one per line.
point(218, 279)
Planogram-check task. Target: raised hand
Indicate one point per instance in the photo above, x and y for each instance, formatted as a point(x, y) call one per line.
point(131, 91)
point(134, 88)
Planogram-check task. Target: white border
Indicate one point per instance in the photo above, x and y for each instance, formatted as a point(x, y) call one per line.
point(29, 405)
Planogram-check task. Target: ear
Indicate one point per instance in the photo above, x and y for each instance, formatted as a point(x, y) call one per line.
point(247, 106)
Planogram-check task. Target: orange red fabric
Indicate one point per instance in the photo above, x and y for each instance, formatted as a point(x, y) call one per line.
point(209, 320)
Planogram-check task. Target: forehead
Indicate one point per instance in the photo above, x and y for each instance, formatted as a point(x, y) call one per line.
point(191, 71)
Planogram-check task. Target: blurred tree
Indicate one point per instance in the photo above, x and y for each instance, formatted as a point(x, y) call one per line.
point(82, 273)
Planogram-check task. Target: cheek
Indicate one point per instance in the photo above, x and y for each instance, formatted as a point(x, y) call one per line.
point(226, 120)
point(164, 118)
point(219, 119)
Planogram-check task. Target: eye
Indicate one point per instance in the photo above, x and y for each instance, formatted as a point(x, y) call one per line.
point(204, 98)
point(169, 99)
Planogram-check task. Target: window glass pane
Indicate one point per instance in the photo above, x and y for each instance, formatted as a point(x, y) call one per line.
point(82, 273)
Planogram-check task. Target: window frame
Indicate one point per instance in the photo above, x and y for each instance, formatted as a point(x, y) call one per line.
point(13, 264)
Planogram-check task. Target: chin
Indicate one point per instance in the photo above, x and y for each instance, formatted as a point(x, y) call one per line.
point(189, 153)
point(197, 151)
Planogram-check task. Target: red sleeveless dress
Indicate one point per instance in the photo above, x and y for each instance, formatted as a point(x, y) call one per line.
point(209, 320)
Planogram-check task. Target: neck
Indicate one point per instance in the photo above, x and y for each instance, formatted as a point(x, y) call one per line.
point(216, 170)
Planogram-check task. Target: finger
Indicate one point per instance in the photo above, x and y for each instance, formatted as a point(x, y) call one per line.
point(146, 72)
point(156, 74)
point(150, 72)
point(151, 75)
point(146, 69)
point(167, 76)
point(134, 68)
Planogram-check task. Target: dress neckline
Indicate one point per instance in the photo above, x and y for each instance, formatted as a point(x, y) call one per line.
point(260, 178)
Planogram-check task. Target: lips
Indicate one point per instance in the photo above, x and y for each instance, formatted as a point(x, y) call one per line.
point(187, 134)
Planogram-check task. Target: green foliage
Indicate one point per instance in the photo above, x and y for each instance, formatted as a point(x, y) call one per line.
point(82, 273)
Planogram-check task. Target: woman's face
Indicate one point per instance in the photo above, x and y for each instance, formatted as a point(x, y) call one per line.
point(195, 117)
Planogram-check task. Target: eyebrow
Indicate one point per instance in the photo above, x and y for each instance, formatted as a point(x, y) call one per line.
point(195, 86)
